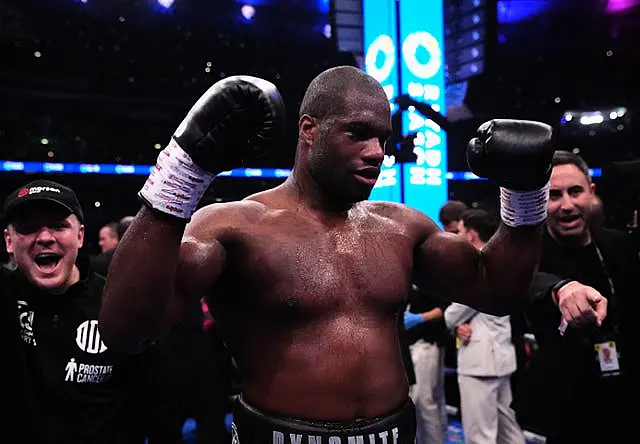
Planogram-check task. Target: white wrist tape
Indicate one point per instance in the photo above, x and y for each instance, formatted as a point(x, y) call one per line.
point(518, 208)
point(176, 184)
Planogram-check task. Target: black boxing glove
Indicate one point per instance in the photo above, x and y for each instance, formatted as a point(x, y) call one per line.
point(238, 119)
point(517, 155)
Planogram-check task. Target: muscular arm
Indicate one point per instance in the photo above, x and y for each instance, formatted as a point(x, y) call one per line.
point(157, 267)
point(490, 280)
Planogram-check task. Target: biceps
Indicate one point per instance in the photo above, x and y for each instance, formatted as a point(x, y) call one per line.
point(447, 265)
point(199, 267)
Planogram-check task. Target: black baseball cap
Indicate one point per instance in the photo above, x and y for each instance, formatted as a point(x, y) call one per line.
point(40, 190)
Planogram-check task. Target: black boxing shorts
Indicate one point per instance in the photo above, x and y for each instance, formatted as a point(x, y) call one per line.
point(251, 426)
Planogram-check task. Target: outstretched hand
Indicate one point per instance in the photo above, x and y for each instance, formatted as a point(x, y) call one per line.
point(581, 305)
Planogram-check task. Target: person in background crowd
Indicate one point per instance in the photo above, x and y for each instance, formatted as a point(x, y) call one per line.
point(427, 334)
point(78, 390)
point(123, 225)
point(450, 215)
point(580, 367)
point(486, 357)
point(101, 262)
point(108, 237)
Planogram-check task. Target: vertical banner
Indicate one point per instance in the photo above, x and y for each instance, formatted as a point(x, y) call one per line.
point(380, 60)
point(422, 75)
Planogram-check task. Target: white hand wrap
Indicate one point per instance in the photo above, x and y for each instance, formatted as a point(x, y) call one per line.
point(519, 208)
point(176, 184)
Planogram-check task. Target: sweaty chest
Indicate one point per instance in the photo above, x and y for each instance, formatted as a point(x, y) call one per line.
point(334, 270)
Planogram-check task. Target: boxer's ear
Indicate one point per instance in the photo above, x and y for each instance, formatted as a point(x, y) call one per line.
point(308, 127)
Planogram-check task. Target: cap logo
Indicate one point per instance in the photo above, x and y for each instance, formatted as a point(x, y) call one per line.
point(36, 190)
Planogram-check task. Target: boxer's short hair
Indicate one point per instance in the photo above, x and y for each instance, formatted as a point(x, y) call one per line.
point(327, 94)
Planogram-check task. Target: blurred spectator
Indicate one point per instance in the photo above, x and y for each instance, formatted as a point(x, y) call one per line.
point(123, 225)
point(451, 214)
point(108, 237)
point(486, 357)
point(100, 263)
point(427, 336)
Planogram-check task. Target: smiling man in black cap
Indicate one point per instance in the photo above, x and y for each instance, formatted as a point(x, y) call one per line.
point(44, 233)
point(74, 389)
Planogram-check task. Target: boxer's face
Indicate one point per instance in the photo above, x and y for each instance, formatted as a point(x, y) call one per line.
point(348, 149)
point(570, 198)
point(44, 240)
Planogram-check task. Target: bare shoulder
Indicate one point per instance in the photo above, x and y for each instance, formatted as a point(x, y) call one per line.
point(221, 220)
point(203, 246)
point(217, 220)
point(413, 220)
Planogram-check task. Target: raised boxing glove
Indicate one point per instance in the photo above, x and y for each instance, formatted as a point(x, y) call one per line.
point(517, 155)
point(238, 119)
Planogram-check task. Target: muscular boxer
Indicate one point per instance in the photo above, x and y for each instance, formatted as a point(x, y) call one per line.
point(309, 277)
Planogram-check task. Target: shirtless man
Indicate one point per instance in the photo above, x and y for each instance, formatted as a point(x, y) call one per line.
point(308, 278)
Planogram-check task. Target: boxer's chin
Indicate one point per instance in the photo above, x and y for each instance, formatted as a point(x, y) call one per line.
point(359, 195)
point(361, 191)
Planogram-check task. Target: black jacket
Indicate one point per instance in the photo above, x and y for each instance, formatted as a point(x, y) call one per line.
point(82, 391)
point(564, 382)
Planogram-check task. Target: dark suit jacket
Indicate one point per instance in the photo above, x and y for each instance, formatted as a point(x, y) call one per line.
point(564, 379)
